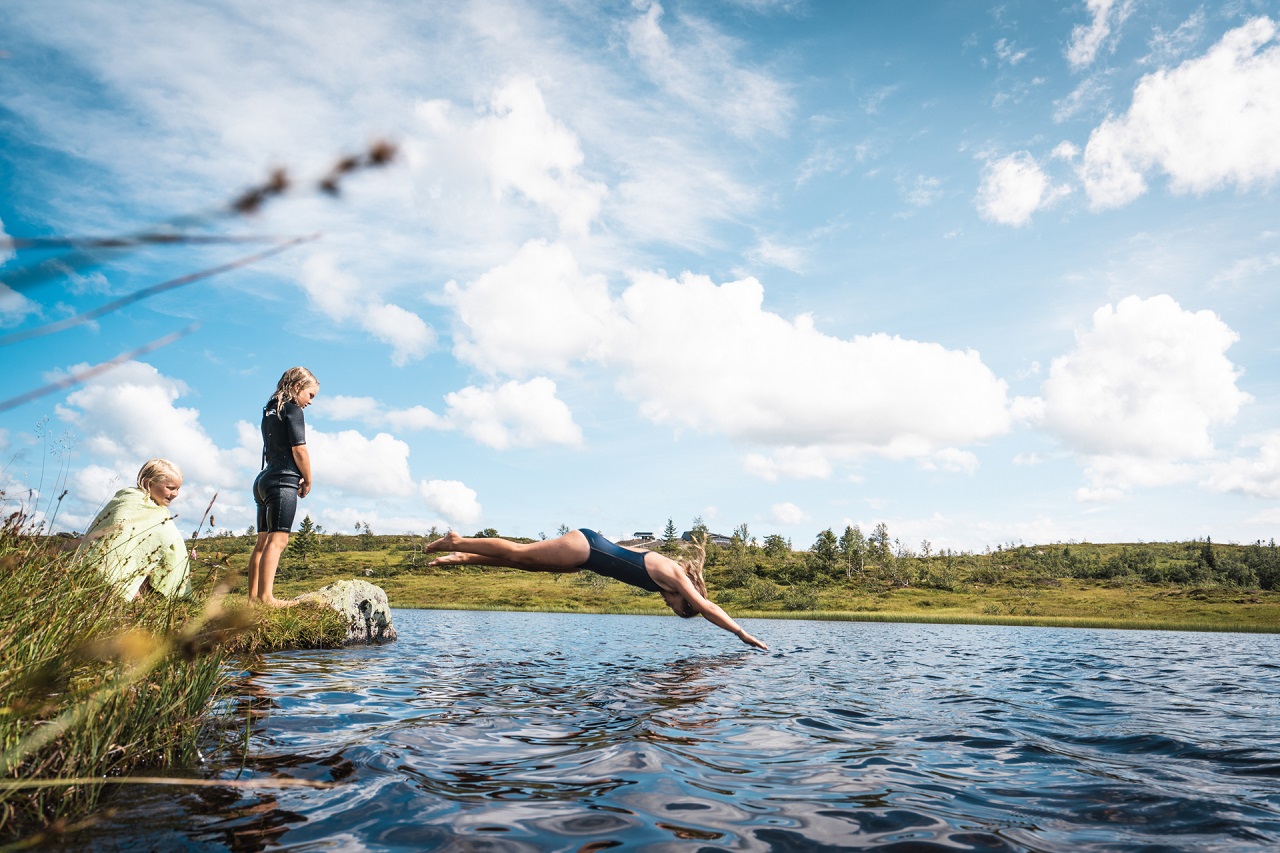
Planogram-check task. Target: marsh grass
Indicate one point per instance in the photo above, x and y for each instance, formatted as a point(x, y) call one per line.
point(94, 686)
point(1027, 621)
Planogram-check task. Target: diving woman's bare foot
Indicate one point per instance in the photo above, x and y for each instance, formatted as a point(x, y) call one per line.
point(445, 542)
point(451, 559)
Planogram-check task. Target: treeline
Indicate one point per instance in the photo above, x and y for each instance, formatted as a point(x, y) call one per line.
point(859, 559)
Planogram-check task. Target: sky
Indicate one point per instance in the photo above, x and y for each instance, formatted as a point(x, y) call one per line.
point(986, 274)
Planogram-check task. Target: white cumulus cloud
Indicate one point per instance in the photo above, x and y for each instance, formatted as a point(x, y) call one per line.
point(515, 414)
point(1013, 188)
point(517, 146)
point(694, 354)
point(501, 416)
point(358, 465)
point(537, 312)
point(408, 334)
point(129, 415)
point(1139, 395)
point(711, 357)
point(1208, 123)
point(453, 500)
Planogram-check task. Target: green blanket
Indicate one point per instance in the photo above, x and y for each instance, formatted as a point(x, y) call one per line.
point(134, 540)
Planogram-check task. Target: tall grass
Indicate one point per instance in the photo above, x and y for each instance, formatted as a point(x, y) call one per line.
point(94, 686)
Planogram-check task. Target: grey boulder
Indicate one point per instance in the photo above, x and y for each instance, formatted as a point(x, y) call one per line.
point(365, 606)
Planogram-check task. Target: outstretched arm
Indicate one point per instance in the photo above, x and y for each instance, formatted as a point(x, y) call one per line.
point(714, 614)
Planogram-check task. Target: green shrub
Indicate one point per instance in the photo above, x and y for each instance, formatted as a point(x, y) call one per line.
point(801, 596)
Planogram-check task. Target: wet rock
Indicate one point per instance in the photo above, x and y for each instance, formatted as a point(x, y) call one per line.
point(365, 606)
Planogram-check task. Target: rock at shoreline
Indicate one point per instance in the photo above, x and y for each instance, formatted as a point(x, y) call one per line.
point(365, 606)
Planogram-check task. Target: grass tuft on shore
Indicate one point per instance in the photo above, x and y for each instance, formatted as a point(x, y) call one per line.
point(94, 686)
point(308, 625)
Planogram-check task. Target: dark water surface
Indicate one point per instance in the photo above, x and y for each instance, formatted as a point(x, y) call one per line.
point(510, 731)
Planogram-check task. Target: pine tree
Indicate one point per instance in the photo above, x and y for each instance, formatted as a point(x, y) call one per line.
point(826, 552)
point(306, 542)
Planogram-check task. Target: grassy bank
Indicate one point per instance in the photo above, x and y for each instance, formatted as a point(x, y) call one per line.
point(93, 686)
point(97, 688)
point(1194, 585)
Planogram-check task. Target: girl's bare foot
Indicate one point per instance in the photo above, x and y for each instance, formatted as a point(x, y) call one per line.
point(445, 542)
point(276, 602)
point(449, 559)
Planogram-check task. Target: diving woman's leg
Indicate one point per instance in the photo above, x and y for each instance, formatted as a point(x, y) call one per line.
point(564, 553)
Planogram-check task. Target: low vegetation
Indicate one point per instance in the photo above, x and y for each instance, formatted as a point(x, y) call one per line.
point(1192, 585)
point(94, 688)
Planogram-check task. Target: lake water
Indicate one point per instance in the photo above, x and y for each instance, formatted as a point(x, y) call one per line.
point(510, 732)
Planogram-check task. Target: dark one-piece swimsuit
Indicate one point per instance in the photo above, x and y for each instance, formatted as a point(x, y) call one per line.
point(614, 561)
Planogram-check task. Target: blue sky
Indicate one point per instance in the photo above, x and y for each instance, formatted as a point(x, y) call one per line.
point(986, 274)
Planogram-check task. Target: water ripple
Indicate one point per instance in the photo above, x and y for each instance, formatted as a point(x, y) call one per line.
point(512, 732)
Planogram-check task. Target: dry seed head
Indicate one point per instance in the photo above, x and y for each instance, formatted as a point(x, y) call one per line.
point(249, 202)
point(278, 182)
point(381, 153)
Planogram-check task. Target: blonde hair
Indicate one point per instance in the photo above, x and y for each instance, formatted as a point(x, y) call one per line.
point(693, 571)
point(293, 382)
point(158, 471)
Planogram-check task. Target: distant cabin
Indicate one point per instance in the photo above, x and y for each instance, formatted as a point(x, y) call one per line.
point(643, 534)
point(712, 538)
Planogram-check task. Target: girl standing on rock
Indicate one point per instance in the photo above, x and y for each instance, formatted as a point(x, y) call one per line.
point(285, 477)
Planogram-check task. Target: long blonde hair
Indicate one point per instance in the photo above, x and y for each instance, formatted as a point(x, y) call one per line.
point(158, 470)
point(692, 566)
point(293, 382)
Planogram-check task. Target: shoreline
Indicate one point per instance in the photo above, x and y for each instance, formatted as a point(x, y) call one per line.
point(903, 618)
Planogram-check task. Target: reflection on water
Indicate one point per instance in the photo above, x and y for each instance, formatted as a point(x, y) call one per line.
point(510, 732)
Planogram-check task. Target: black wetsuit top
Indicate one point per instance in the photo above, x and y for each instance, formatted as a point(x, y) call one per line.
point(283, 429)
point(614, 561)
point(275, 491)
